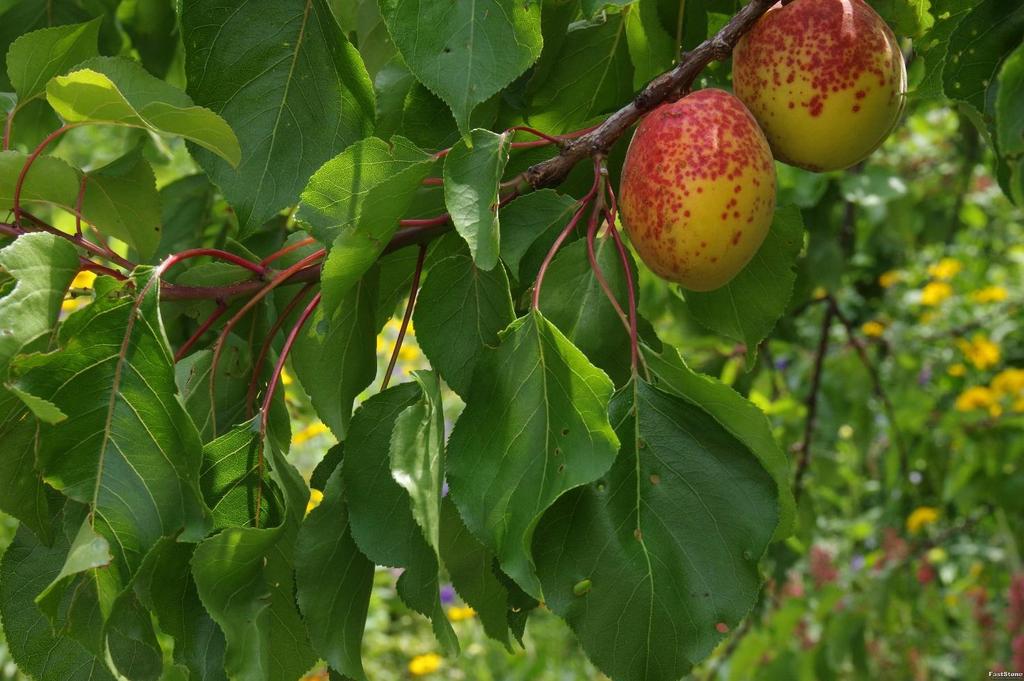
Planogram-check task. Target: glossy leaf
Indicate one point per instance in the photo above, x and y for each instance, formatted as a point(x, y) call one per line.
point(978, 46)
point(459, 312)
point(535, 426)
point(465, 52)
point(535, 218)
point(36, 57)
point(646, 563)
point(128, 449)
point(284, 76)
point(472, 173)
point(122, 199)
point(119, 91)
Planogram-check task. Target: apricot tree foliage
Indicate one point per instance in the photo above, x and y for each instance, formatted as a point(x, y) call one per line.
point(461, 158)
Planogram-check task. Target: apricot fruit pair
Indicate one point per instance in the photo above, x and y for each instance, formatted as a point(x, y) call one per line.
point(818, 84)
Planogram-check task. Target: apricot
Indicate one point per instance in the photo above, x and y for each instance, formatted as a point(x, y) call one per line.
point(698, 189)
point(824, 78)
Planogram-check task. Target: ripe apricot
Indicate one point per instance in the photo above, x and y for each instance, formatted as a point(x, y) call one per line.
point(698, 189)
point(824, 78)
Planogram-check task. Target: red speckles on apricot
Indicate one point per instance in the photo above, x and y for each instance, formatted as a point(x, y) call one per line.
point(844, 81)
point(695, 170)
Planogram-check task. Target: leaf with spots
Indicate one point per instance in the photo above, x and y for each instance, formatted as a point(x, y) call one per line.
point(747, 308)
point(535, 426)
point(978, 45)
point(283, 75)
point(650, 562)
point(465, 52)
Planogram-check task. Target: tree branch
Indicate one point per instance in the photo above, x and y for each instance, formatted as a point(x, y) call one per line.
point(812, 400)
point(667, 87)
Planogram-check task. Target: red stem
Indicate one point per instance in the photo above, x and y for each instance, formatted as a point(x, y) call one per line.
point(598, 272)
point(30, 160)
point(634, 336)
point(218, 347)
point(536, 133)
point(554, 249)
point(203, 328)
point(433, 182)
point(87, 264)
point(260, 270)
point(250, 396)
point(7, 128)
point(286, 250)
point(271, 389)
point(413, 290)
point(426, 222)
point(81, 242)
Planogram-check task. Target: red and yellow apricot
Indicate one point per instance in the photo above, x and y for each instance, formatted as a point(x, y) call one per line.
point(825, 79)
point(698, 189)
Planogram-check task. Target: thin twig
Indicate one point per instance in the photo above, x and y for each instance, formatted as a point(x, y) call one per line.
point(812, 402)
point(413, 290)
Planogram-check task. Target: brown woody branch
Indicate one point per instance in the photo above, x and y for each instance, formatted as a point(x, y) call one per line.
point(667, 87)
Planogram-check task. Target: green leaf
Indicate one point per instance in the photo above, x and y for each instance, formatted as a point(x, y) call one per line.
point(45, 411)
point(36, 57)
point(459, 312)
point(42, 266)
point(472, 173)
point(358, 246)
point(1009, 121)
point(646, 563)
point(933, 48)
point(535, 426)
point(572, 300)
point(128, 448)
point(335, 355)
point(122, 199)
point(185, 212)
point(49, 180)
point(334, 581)
point(229, 477)
point(651, 49)
point(192, 375)
point(747, 308)
point(166, 587)
point(380, 510)
point(245, 579)
point(530, 219)
point(340, 191)
point(592, 75)
point(118, 91)
point(27, 567)
point(978, 46)
point(18, 17)
point(906, 17)
point(88, 551)
point(739, 416)
point(281, 73)
point(465, 52)
point(472, 570)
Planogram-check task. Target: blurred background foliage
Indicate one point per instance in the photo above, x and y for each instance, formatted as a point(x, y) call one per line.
point(906, 563)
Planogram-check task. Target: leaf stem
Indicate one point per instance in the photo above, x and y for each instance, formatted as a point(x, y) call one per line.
point(40, 148)
point(203, 328)
point(413, 290)
point(257, 366)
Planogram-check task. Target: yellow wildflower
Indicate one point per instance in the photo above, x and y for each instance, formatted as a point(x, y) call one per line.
point(990, 294)
point(1018, 405)
point(308, 433)
point(315, 499)
point(956, 370)
point(83, 279)
point(922, 516)
point(286, 378)
point(980, 351)
point(935, 292)
point(873, 329)
point(978, 397)
point(421, 665)
point(819, 292)
point(947, 268)
point(1009, 382)
point(937, 555)
point(409, 353)
point(459, 613)
point(890, 278)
